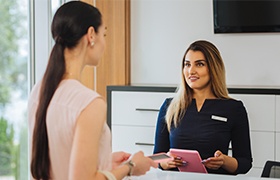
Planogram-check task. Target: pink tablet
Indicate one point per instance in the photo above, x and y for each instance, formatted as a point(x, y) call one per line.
point(192, 158)
point(160, 157)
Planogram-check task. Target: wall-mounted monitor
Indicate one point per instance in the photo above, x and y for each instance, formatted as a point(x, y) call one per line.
point(246, 16)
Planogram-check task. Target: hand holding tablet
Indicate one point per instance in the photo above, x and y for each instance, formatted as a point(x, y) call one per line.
point(192, 158)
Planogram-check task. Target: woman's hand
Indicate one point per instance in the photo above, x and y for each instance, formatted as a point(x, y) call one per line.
point(118, 158)
point(142, 163)
point(230, 164)
point(215, 162)
point(177, 161)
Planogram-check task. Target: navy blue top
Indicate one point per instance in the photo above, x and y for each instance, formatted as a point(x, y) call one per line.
point(202, 131)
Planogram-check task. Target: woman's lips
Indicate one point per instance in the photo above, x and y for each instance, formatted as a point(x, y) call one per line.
point(193, 78)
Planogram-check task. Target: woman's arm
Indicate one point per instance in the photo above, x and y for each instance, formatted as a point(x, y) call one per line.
point(219, 159)
point(84, 155)
point(241, 144)
point(162, 143)
point(230, 164)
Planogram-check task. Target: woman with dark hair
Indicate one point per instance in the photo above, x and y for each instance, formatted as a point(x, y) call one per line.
point(203, 117)
point(69, 136)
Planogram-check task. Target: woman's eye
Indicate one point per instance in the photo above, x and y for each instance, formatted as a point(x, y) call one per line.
point(187, 64)
point(200, 64)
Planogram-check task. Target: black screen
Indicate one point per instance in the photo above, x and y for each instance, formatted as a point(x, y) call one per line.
point(235, 16)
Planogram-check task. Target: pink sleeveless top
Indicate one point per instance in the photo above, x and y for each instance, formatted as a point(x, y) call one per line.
point(69, 100)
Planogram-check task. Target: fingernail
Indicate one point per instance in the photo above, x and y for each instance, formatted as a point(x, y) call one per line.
point(179, 158)
point(184, 163)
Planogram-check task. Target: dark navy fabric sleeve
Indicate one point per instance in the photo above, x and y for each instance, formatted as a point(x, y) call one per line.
point(241, 147)
point(162, 143)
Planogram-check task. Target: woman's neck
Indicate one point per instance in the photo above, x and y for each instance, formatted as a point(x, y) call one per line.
point(74, 63)
point(201, 95)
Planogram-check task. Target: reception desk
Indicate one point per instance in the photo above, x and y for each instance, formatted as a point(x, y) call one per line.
point(154, 174)
point(133, 110)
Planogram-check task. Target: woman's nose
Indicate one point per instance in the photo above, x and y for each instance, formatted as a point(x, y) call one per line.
point(192, 70)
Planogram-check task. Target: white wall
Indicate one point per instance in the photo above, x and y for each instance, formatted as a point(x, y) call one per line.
point(161, 30)
point(42, 30)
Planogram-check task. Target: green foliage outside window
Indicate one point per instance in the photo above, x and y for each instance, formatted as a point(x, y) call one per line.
point(7, 148)
point(13, 78)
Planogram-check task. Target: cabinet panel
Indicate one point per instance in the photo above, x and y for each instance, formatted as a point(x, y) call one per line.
point(254, 172)
point(137, 108)
point(262, 144)
point(133, 139)
point(260, 109)
point(277, 123)
point(277, 150)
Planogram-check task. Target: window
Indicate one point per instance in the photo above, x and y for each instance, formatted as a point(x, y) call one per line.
point(14, 55)
point(25, 43)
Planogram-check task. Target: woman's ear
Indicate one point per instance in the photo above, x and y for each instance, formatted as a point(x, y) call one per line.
point(91, 35)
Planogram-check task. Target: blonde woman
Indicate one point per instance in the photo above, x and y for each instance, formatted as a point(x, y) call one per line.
point(203, 117)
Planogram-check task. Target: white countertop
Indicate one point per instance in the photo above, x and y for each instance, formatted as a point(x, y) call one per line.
point(170, 175)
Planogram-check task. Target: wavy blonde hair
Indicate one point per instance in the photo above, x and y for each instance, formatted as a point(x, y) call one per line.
point(184, 94)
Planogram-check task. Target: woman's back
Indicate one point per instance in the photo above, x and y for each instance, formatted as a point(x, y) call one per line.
point(69, 100)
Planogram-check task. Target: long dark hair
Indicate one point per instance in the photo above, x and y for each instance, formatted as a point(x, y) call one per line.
point(70, 23)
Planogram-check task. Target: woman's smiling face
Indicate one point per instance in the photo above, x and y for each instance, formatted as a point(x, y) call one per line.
point(196, 71)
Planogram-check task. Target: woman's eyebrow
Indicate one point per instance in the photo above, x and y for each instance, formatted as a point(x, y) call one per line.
point(199, 60)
